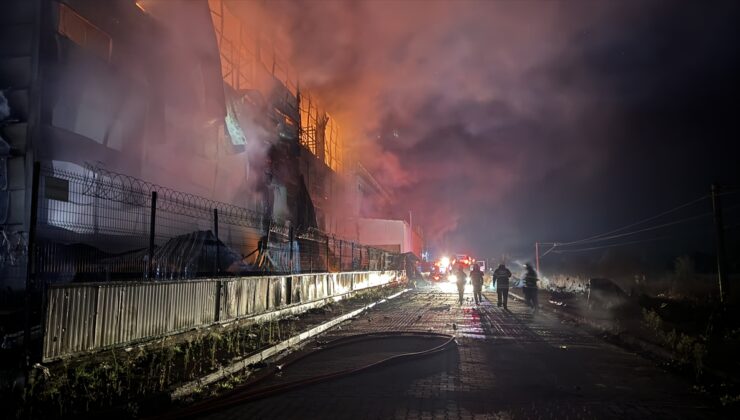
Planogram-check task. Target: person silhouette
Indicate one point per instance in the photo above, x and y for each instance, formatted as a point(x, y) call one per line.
point(460, 274)
point(476, 277)
point(530, 287)
point(501, 278)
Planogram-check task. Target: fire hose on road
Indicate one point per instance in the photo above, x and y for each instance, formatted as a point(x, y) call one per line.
point(249, 392)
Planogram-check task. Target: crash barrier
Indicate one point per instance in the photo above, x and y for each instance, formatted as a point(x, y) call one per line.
point(87, 317)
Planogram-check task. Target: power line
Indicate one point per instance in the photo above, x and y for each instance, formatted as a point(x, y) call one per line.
point(549, 250)
point(593, 248)
point(688, 219)
point(621, 235)
point(725, 193)
point(591, 238)
point(621, 244)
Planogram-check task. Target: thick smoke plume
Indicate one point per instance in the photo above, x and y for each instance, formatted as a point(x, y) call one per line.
point(443, 101)
point(500, 123)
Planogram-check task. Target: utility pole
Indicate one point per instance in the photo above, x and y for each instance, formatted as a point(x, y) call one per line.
point(411, 233)
point(31, 286)
point(724, 287)
point(537, 256)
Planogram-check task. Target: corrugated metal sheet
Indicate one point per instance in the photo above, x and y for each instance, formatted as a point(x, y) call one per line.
point(93, 316)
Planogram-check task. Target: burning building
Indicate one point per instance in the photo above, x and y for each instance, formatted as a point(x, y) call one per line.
point(191, 95)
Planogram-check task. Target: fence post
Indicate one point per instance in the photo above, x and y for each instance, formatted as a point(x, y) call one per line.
point(219, 292)
point(218, 247)
point(312, 255)
point(327, 253)
point(290, 241)
point(341, 245)
point(724, 286)
point(152, 220)
point(266, 258)
point(30, 267)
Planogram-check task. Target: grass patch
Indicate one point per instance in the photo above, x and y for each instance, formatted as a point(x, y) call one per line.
point(125, 383)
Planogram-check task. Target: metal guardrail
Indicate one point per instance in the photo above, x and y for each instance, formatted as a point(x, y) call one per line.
point(88, 317)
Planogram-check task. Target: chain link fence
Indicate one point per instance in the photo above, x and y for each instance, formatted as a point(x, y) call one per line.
point(99, 225)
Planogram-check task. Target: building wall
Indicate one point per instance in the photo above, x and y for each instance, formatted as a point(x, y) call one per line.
point(20, 21)
point(149, 99)
point(385, 233)
point(417, 243)
point(139, 90)
point(146, 89)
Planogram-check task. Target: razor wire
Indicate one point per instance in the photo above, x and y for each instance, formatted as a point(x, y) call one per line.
point(99, 203)
point(105, 184)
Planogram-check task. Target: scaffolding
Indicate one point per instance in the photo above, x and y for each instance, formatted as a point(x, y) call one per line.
point(242, 50)
point(320, 134)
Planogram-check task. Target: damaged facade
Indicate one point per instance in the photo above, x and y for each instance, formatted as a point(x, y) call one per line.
point(184, 94)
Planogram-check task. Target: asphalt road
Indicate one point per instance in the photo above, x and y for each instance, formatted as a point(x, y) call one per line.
point(508, 365)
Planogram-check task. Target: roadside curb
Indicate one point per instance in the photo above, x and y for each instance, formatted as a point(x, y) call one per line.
point(192, 386)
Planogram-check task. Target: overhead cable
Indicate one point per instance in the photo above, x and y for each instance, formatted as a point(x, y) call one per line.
point(592, 238)
point(562, 251)
point(621, 235)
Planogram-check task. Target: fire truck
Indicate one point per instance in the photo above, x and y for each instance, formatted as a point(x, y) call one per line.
point(440, 268)
point(443, 266)
point(465, 260)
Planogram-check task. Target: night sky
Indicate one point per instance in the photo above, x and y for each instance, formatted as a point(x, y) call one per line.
point(502, 123)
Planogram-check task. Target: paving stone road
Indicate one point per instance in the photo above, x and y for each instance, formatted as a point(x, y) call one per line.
point(508, 365)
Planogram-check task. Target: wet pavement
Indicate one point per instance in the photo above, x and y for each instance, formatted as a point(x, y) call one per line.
point(507, 365)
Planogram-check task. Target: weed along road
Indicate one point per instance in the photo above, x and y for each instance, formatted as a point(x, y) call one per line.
point(399, 360)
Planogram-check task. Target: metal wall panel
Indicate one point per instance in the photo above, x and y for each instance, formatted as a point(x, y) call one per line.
point(295, 292)
point(87, 317)
point(93, 316)
point(342, 282)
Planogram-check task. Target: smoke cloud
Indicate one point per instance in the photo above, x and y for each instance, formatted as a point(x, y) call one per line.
point(446, 102)
point(503, 123)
